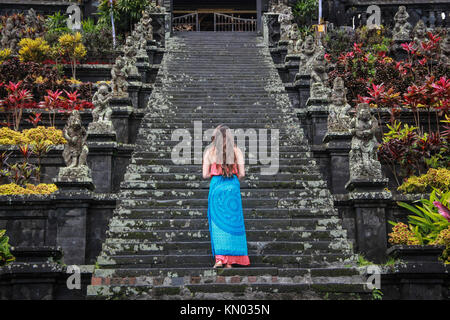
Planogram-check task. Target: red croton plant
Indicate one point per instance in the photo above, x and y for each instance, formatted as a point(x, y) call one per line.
point(18, 99)
point(418, 84)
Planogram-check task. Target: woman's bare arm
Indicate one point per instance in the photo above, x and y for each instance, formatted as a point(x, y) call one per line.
point(206, 165)
point(240, 163)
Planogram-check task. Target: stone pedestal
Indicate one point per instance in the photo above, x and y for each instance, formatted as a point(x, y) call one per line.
point(74, 179)
point(302, 83)
point(121, 111)
point(102, 148)
point(144, 95)
point(283, 48)
point(317, 118)
point(338, 145)
point(292, 62)
point(369, 201)
point(134, 86)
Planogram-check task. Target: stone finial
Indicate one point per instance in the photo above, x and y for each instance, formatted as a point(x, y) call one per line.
point(402, 29)
point(338, 117)
point(293, 40)
point(363, 160)
point(139, 41)
point(420, 32)
point(119, 78)
point(307, 53)
point(130, 51)
point(319, 76)
point(101, 115)
point(285, 19)
point(445, 49)
point(146, 23)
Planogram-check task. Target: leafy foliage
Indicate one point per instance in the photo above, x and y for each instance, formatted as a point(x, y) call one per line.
point(5, 254)
point(126, 13)
point(438, 179)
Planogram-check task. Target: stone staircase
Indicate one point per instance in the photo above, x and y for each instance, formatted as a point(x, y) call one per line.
point(158, 244)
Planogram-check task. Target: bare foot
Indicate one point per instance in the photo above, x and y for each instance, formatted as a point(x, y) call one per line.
point(218, 265)
point(228, 266)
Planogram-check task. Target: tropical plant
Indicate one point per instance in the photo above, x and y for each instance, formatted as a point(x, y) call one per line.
point(438, 179)
point(5, 54)
point(305, 11)
point(126, 13)
point(72, 47)
point(14, 189)
point(36, 50)
point(17, 100)
point(5, 254)
point(428, 220)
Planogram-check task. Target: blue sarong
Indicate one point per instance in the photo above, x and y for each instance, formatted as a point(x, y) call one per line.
point(225, 217)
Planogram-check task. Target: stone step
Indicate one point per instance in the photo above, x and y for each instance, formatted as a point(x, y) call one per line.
point(304, 160)
point(204, 247)
point(193, 169)
point(186, 260)
point(249, 213)
point(252, 235)
point(250, 224)
point(156, 185)
point(205, 272)
point(254, 291)
point(184, 193)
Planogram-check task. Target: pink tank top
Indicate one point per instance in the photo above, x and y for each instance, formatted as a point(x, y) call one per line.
point(217, 171)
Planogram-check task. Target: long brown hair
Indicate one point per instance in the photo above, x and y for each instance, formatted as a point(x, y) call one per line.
point(226, 158)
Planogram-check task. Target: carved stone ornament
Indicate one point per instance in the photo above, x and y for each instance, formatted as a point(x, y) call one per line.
point(101, 115)
point(363, 161)
point(338, 116)
point(402, 29)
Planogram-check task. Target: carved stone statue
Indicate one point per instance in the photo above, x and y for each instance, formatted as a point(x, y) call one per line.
point(285, 19)
point(278, 6)
point(139, 41)
point(420, 32)
point(10, 35)
point(101, 115)
point(363, 159)
point(338, 117)
point(119, 78)
point(402, 29)
point(146, 22)
point(76, 150)
point(130, 52)
point(293, 46)
point(307, 53)
point(319, 76)
point(445, 49)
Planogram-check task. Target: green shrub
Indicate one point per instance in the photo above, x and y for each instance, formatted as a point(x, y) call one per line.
point(5, 255)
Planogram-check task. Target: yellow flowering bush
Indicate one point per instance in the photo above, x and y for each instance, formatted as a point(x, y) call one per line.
point(434, 179)
point(45, 135)
point(5, 54)
point(444, 239)
point(36, 50)
point(14, 189)
point(48, 135)
point(72, 46)
point(401, 234)
point(9, 136)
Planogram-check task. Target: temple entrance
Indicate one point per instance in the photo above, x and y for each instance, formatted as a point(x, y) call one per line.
point(215, 21)
point(219, 16)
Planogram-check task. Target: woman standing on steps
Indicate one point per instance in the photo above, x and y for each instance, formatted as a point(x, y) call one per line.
point(225, 166)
